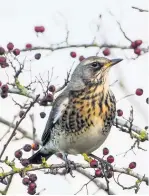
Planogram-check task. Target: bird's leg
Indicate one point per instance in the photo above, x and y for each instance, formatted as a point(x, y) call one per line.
point(70, 165)
point(87, 158)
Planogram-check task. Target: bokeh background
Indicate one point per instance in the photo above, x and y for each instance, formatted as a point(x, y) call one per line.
point(17, 21)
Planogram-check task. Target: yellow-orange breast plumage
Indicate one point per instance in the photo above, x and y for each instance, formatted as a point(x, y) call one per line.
point(86, 121)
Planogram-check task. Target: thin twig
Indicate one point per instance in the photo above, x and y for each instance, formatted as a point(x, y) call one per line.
point(139, 9)
point(17, 124)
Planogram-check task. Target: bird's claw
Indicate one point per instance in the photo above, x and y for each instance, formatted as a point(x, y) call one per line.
point(70, 165)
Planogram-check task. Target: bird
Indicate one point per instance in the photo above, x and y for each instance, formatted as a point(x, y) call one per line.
point(81, 116)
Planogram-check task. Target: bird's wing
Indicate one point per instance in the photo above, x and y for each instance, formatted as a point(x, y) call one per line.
point(58, 108)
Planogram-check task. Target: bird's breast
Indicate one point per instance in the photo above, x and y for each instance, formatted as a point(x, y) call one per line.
point(86, 122)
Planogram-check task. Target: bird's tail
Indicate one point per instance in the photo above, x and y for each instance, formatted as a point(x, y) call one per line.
point(37, 157)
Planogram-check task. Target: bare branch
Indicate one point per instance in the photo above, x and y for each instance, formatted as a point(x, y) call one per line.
point(79, 46)
point(121, 123)
point(139, 9)
point(17, 124)
point(19, 129)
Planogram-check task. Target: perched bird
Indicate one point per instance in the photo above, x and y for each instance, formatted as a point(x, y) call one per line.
point(82, 115)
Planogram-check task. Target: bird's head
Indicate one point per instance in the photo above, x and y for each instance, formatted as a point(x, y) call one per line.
point(92, 70)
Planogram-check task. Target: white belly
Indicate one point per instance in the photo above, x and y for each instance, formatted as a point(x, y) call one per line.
point(85, 142)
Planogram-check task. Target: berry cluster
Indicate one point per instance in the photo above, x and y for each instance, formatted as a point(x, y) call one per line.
point(27, 147)
point(3, 59)
point(16, 51)
point(135, 45)
point(29, 181)
point(108, 171)
point(73, 55)
point(39, 29)
point(4, 89)
point(48, 98)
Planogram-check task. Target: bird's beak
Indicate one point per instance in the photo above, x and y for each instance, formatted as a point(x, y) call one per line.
point(113, 62)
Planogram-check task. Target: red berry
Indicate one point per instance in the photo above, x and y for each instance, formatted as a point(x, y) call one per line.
point(52, 88)
point(139, 91)
point(109, 174)
point(4, 95)
point(138, 42)
point(36, 28)
point(4, 65)
point(37, 56)
point(31, 191)
point(25, 181)
point(146, 127)
point(32, 186)
point(0, 83)
point(42, 114)
point(119, 112)
point(4, 88)
point(25, 162)
point(137, 51)
point(10, 46)
point(21, 113)
point(133, 45)
point(147, 99)
point(132, 165)
point(41, 29)
point(98, 173)
point(2, 59)
point(81, 58)
point(28, 46)
point(16, 52)
point(2, 51)
point(106, 51)
point(105, 151)
point(32, 177)
point(73, 54)
point(49, 98)
point(59, 155)
point(35, 146)
point(93, 163)
point(110, 159)
point(18, 154)
point(27, 147)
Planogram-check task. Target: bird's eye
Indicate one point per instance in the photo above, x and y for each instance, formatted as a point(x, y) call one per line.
point(96, 65)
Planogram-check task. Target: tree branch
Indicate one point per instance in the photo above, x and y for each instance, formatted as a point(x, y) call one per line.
point(81, 46)
point(139, 9)
point(17, 124)
point(19, 129)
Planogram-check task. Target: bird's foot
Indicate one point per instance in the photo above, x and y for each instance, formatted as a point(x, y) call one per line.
point(87, 158)
point(70, 166)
